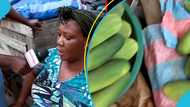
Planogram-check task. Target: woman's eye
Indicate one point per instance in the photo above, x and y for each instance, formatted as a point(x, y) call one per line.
point(68, 37)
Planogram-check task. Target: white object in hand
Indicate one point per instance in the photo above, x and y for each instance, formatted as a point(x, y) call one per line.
point(31, 58)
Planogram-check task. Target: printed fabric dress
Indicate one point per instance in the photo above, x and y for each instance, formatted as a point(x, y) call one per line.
point(48, 91)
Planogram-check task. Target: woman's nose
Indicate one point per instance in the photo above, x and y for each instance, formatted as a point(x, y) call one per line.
point(60, 40)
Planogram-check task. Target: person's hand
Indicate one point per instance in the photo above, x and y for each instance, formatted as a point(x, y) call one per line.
point(19, 65)
point(35, 24)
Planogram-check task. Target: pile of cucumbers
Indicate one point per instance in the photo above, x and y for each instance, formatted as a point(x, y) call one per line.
point(108, 64)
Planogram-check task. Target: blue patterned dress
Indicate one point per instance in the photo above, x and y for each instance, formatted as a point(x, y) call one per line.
point(48, 91)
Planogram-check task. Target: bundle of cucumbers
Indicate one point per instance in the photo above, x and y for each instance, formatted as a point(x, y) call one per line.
point(108, 65)
point(176, 89)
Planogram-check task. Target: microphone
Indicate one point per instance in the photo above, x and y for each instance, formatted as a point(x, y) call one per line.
point(34, 57)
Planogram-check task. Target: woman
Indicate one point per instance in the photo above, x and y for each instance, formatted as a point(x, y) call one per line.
point(61, 82)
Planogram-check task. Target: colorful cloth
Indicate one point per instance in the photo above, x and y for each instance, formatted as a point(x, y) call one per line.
point(48, 91)
point(163, 63)
point(175, 22)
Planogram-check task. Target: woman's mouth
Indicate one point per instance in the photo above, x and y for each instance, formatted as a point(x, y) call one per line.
point(60, 51)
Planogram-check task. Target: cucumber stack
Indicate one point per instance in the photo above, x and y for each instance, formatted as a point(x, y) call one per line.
point(112, 48)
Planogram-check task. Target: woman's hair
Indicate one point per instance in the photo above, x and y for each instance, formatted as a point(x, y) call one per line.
point(84, 18)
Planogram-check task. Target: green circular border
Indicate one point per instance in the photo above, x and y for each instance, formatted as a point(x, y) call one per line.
point(137, 29)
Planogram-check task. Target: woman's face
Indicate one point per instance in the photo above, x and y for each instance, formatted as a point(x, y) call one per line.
point(70, 41)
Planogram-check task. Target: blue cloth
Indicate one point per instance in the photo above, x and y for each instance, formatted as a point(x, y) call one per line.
point(2, 91)
point(44, 9)
point(4, 8)
point(48, 91)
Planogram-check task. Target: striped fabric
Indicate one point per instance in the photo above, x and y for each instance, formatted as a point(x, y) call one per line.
point(163, 63)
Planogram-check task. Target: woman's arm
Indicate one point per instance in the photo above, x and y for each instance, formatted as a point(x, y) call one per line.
point(26, 89)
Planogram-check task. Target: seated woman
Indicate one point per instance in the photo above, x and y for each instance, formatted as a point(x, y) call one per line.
point(61, 82)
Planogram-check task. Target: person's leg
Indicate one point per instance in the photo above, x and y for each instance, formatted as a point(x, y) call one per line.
point(2, 91)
